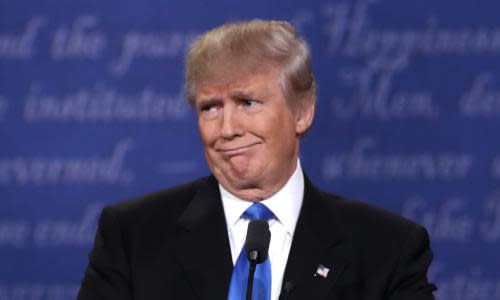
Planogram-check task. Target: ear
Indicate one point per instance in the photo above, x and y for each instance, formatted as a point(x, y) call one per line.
point(304, 116)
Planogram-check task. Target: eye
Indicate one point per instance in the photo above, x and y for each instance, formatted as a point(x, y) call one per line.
point(250, 105)
point(248, 102)
point(209, 111)
point(206, 107)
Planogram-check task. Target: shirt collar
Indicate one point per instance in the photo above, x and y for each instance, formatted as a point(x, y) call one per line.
point(285, 204)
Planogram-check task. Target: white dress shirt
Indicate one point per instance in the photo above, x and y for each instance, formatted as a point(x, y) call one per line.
point(285, 205)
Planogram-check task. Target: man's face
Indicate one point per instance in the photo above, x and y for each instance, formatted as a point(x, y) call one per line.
point(249, 132)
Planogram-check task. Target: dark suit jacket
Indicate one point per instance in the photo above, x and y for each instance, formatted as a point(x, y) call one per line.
point(174, 245)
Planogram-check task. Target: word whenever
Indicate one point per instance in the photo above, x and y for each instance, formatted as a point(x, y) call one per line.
point(102, 103)
point(81, 170)
point(358, 164)
point(51, 233)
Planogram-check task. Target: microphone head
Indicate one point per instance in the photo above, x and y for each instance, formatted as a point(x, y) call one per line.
point(257, 241)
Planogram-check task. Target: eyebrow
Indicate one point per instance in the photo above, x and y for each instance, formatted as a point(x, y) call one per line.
point(238, 94)
point(207, 101)
point(242, 94)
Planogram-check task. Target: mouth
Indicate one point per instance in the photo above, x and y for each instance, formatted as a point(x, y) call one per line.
point(232, 151)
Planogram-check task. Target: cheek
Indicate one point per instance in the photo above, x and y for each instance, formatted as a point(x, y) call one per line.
point(207, 133)
point(285, 136)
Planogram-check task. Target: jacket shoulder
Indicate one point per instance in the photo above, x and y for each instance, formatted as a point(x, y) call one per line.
point(372, 223)
point(157, 208)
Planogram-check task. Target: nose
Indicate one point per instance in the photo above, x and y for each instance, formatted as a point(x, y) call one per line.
point(231, 124)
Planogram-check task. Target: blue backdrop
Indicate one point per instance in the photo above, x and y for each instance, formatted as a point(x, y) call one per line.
point(92, 112)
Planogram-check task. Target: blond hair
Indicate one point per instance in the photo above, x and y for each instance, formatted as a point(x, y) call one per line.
point(252, 46)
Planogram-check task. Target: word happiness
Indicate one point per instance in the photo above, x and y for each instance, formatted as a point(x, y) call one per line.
point(385, 53)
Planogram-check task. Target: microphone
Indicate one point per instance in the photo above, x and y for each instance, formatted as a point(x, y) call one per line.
point(256, 247)
point(257, 242)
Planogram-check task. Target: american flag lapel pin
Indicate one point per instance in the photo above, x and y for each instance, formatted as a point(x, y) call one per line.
point(322, 271)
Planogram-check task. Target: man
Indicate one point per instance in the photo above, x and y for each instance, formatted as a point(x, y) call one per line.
point(252, 87)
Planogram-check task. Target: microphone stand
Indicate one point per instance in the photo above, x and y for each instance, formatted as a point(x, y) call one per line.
point(251, 274)
point(256, 245)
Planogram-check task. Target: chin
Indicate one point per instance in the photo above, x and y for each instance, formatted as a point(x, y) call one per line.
point(241, 174)
point(240, 168)
point(242, 180)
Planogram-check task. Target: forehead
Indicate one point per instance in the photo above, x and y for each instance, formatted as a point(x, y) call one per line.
point(263, 80)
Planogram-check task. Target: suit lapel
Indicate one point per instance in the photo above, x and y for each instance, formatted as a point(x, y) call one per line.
point(318, 240)
point(203, 251)
point(202, 246)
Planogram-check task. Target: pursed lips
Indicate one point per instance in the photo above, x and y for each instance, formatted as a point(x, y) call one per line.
point(231, 151)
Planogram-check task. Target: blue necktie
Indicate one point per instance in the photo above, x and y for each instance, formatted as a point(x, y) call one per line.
point(262, 279)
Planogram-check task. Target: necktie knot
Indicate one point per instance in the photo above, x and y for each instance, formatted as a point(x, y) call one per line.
point(258, 211)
